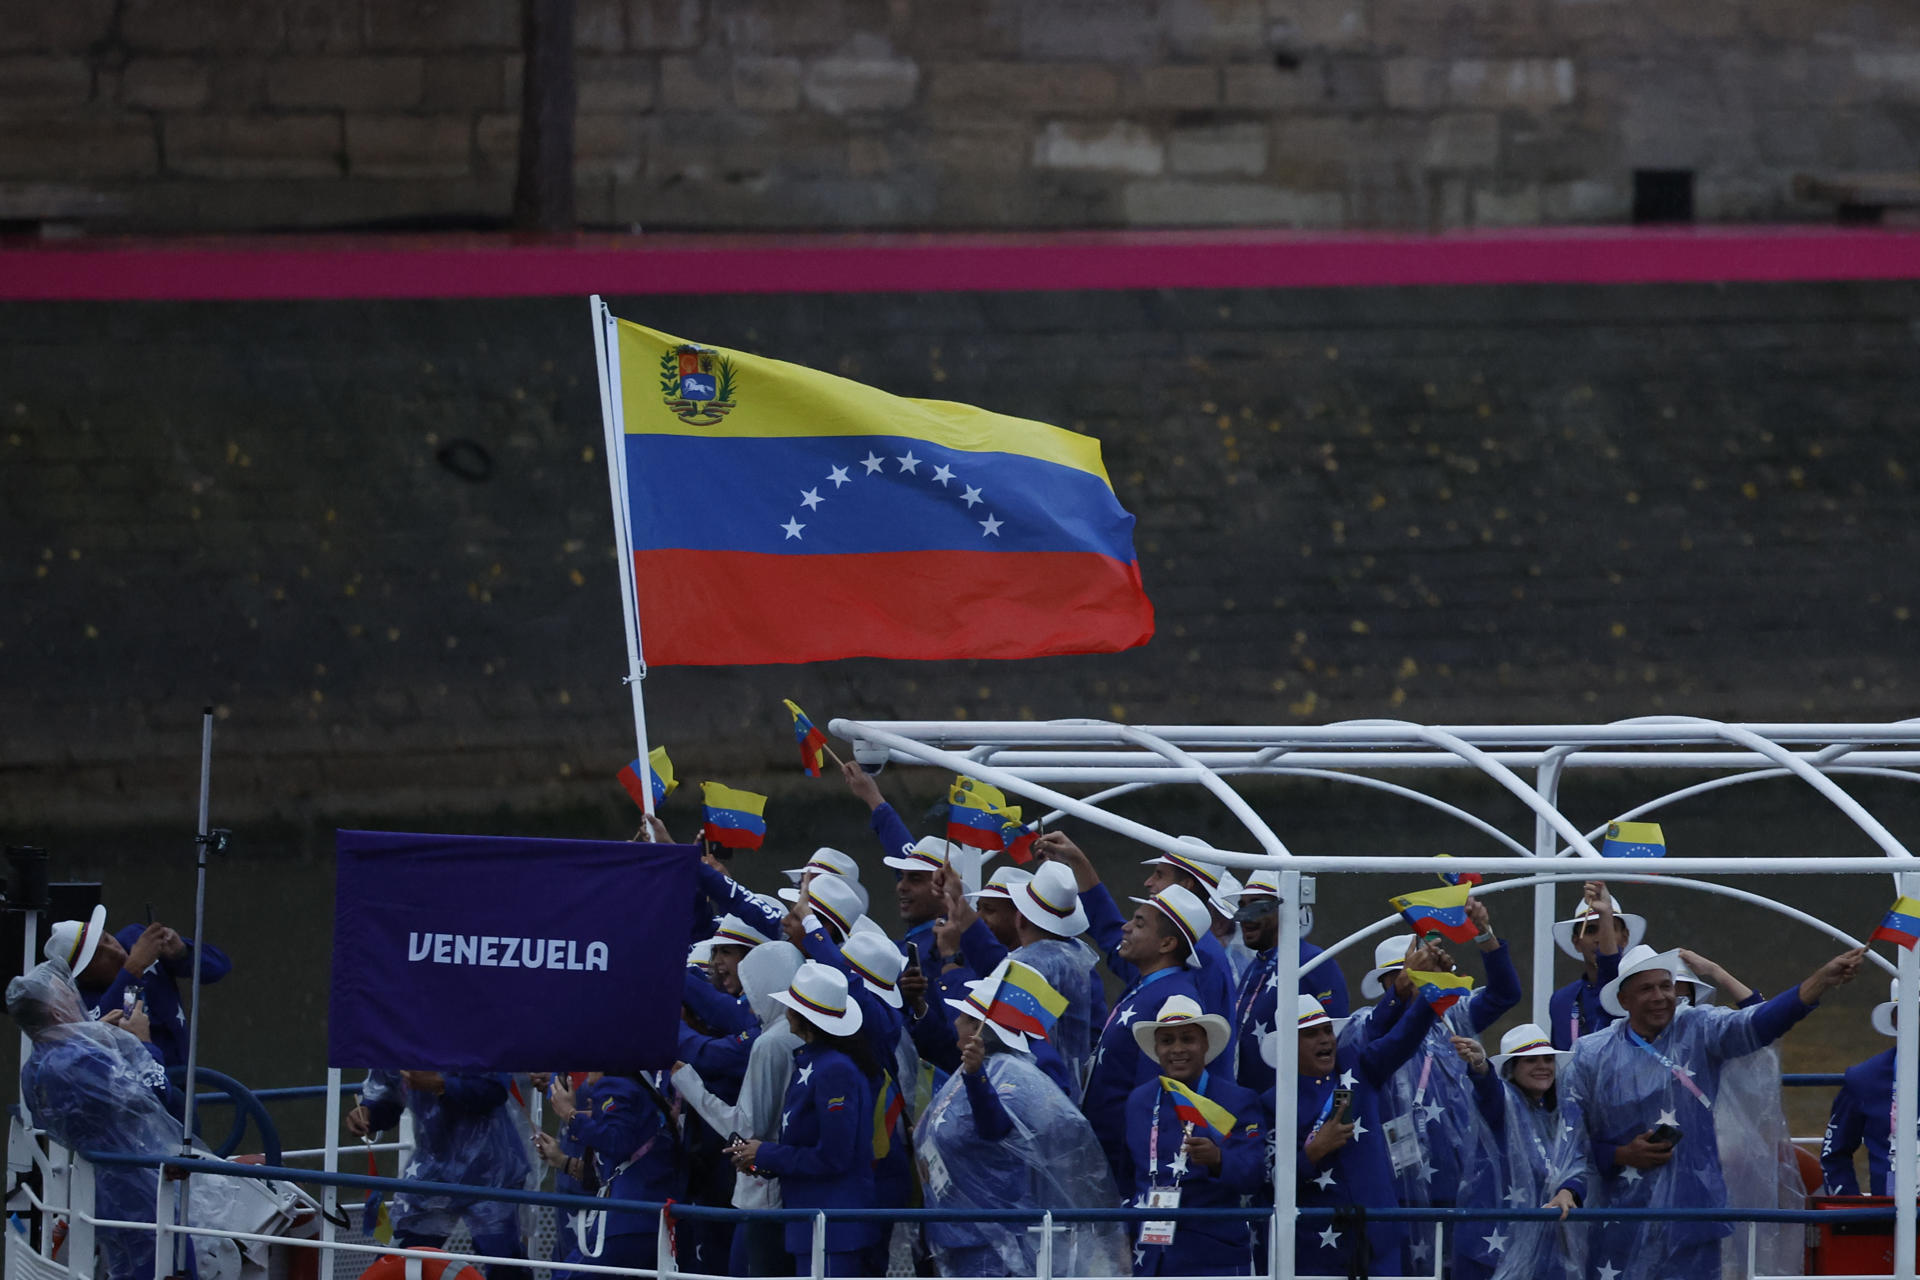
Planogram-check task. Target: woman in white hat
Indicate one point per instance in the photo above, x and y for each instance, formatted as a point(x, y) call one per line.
point(1001, 1135)
point(1514, 1092)
point(1194, 1141)
point(824, 1154)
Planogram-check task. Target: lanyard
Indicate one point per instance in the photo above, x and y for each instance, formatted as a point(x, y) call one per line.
point(1426, 1069)
point(1256, 981)
point(1138, 987)
point(1685, 1079)
point(1153, 1141)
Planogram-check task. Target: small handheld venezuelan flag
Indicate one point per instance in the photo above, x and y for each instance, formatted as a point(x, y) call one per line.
point(888, 1108)
point(659, 777)
point(813, 743)
point(1442, 911)
point(1026, 1001)
point(1441, 990)
point(977, 815)
point(1633, 840)
point(735, 819)
point(1197, 1109)
point(1460, 877)
point(1018, 838)
point(1902, 925)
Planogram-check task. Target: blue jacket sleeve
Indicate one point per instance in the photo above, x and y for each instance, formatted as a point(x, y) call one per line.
point(933, 1036)
point(1243, 1157)
point(1502, 991)
point(1104, 925)
point(1328, 977)
point(894, 837)
point(715, 1007)
point(980, 949)
point(729, 896)
point(990, 1116)
point(1845, 1127)
point(475, 1095)
point(716, 1056)
point(214, 964)
point(1380, 1059)
point(1385, 1017)
point(1490, 1095)
point(818, 946)
point(839, 1132)
point(1772, 1019)
point(614, 1126)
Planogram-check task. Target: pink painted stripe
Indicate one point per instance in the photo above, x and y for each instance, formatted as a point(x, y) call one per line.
point(464, 266)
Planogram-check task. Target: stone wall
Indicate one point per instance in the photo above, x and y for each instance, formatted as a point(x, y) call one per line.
point(226, 114)
point(1454, 506)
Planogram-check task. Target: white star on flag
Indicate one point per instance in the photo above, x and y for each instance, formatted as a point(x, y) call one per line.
point(971, 496)
point(909, 463)
point(838, 475)
point(793, 527)
point(943, 473)
point(810, 498)
point(872, 461)
point(992, 526)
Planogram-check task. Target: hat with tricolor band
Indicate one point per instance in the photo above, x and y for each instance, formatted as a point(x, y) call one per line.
point(1207, 874)
point(929, 853)
point(833, 900)
point(732, 931)
point(1312, 1014)
point(826, 859)
point(1183, 1011)
point(1528, 1040)
point(74, 942)
point(1189, 915)
point(871, 954)
point(1000, 887)
point(1051, 900)
point(819, 994)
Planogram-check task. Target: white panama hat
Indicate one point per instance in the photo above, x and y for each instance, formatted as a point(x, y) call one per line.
point(1051, 900)
point(833, 898)
point(732, 931)
point(1389, 956)
point(818, 993)
point(76, 941)
point(1000, 887)
point(1883, 1013)
point(1527, 1040)
point(872, 955)
point(1183, 1011)
point(1642, 959)
point(828, 859)
point(1563, 929)
point(1189, 915)
point(980, 1004)
point(1312, 1014)
point(1208, 874)
point(929, 853)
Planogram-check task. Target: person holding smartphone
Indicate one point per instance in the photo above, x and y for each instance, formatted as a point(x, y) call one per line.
point(629, 1150)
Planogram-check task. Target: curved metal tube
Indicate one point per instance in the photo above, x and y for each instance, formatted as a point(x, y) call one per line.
point(1704, 886)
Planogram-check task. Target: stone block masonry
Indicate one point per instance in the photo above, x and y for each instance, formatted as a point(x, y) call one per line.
point(1465, 505)
point(1403, 114)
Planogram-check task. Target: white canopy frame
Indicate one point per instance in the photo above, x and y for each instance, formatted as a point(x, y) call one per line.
point(1031, 759)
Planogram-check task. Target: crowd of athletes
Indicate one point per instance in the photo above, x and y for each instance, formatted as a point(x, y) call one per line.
point(1052, 1042)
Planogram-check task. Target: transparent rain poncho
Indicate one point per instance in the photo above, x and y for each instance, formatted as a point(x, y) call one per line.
point(1527, 1138)
point(1050, 1160)
point(1615, 1090)
point(1758, 1161)
point(477, 1149)
point(94, 1087)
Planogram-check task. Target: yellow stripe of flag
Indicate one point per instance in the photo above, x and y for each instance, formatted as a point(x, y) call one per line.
point(717, 795)
point(1218, 1118)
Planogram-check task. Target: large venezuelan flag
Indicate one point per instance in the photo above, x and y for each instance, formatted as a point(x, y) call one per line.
point(781, 514)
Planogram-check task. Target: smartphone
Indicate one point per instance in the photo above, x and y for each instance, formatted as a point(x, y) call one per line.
point(913, 955)
point(1666, 1133)
point(1342, 1106)
point(733, 1139)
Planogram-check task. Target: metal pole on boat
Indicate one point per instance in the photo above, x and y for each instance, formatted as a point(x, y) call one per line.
point(204, 839)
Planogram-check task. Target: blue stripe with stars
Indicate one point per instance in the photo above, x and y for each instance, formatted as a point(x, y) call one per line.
point(845, 495)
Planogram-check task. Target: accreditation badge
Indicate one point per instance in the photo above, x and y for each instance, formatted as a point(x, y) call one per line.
point(1160, 1231)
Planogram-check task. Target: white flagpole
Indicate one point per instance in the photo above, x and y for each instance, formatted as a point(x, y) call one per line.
point(606, 347)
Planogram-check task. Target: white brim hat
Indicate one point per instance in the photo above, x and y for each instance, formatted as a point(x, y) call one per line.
point(1000, 887)
point(1188, 914)
point(929, 853)
point(1883, 1014)
point(74, 942)
point(1563, 929)
point(870, 953)
point(1184, 1011)
point(1206, 874)
point(701, 953)
point(1703, 990)
point(1389, 956)
point(825, 858)
point(819, 994)
point(732, 931)
point(978, 1005)
point(1527, 1040)
point(1641, 959)
point(791, 896)
point(1050, 900)
point(1312, 1014)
